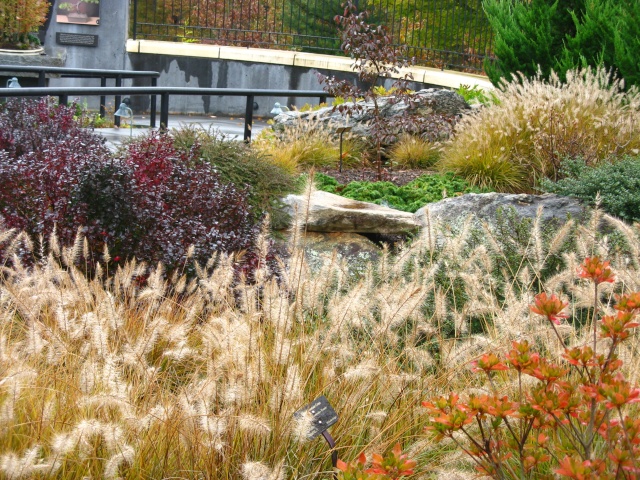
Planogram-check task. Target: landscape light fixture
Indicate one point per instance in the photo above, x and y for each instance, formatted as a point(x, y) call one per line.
point(13, 83)
point(125, 111)
point(342, 131)
point(278, 109)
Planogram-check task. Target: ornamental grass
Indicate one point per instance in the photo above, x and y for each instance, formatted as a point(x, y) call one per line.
point(536, 124)
point(112, 376)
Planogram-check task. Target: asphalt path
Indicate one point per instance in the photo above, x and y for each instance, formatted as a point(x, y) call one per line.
point(232, 127)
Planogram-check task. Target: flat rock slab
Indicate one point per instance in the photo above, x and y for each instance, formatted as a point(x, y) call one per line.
point(485, 206)
point(332, 213)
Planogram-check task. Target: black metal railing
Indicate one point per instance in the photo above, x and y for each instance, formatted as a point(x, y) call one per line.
point(117, 75)
point(165, 93)
point(451, 34)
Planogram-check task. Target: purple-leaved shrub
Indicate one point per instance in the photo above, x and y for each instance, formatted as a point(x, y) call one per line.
point(150, 201)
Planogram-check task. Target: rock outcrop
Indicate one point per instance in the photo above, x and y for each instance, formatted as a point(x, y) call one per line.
point(434, 102)
point(485, 206)
point(356, 250)
point(327, 212)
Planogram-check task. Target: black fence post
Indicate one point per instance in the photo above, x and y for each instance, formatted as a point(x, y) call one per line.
point(103, 98)
point(154, 83)
point(164, 111)
point(118, 99)
point(248, 119)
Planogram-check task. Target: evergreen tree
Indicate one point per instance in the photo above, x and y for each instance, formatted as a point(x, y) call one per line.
point(564, 34)
point(593, 41)
point(627, 42)
point(528, 35)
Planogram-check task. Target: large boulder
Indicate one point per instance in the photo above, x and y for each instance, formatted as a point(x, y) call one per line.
point(432, 103)
point(327, 212)
point(484, 207)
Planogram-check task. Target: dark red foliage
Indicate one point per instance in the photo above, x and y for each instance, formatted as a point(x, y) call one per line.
point(151, 203)
point(44, 156)
point(180, 201)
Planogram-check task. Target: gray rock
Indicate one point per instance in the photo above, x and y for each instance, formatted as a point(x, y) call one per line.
point(332, 213)
point(436, 101)
point(356, 250)
point(484, 206)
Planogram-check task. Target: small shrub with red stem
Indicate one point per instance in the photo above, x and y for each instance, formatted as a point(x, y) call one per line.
point(573, 421)
point(392, 466)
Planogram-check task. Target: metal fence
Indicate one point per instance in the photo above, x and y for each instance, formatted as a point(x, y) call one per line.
point(452, 34)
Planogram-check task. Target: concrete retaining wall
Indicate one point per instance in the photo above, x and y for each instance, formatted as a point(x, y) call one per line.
point(212, 66)
point(196, 65)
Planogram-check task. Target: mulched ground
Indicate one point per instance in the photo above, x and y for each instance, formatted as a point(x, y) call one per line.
point(397, 177)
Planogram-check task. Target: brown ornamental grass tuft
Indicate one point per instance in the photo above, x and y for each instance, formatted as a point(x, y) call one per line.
point(535, 124)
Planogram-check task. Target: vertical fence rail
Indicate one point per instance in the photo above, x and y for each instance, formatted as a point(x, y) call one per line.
point(451, 34)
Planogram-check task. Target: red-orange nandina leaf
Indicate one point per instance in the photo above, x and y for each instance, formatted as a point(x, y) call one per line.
point(550, 307)
point(596, 270)
point(488, 362)
point(393, 465)
point(617, 326)
point(628, 302)
point(521, 358)
point(581, 470)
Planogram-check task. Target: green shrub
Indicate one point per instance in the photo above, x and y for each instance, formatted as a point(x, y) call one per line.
point(476, 94)
point(409, 197)
point(325, 183)
point(536, 123)
point(618, 184)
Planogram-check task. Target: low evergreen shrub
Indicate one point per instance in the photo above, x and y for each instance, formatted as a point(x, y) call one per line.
point(409, 197)
point(617, 183)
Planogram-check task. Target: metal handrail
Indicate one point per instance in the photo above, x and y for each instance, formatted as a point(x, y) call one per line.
point(102, 74)
point(63, 95)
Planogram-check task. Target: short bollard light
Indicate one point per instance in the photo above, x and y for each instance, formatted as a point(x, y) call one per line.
point(13, 83)
point(342, 131)
point(319, 415)
point(278, 109)
point(125, 111)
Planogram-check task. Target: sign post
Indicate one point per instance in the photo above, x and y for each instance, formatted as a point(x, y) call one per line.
point(322, 417)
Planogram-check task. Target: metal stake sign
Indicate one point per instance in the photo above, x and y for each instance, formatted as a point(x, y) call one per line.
point(322, 417)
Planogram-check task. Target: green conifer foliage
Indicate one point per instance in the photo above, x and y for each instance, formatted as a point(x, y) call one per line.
point(627, 43)
point(593, 42)
point(563, 35)
point(528, 34)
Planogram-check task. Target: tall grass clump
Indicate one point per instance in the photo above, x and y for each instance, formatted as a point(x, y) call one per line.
point(411, 151)
point(108, 377)
point(536, 124)
point(308, 144)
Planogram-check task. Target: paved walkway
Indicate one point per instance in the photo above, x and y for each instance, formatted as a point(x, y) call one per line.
point(232, 127)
